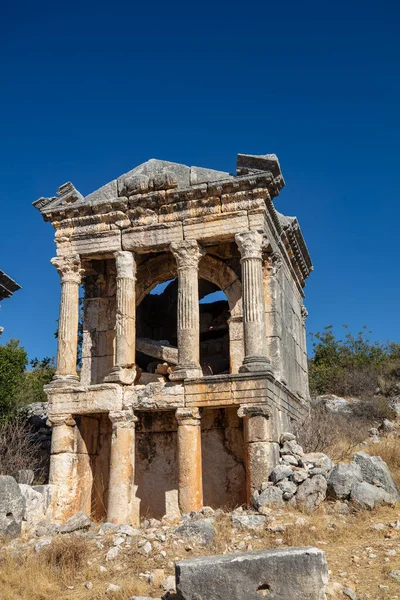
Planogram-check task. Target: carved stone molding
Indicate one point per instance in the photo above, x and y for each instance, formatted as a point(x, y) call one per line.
point(188, 416)
point(123, 419)
point(60, 420)
point(275, 263)
point(187, 254)
point(126, 264)
point(69, 268)
point(304, 314)
point(250, 244)
point(253, 411)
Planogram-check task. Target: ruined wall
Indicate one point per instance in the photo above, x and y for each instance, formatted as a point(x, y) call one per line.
point(224, 477)
point(156, 468)
point(99, 321)
point(286, 327)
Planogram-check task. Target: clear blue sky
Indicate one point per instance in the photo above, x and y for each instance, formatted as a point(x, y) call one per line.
point(91, 89)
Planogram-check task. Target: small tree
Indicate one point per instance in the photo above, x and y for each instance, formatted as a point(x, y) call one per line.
point(31, 386)
point(13, 360)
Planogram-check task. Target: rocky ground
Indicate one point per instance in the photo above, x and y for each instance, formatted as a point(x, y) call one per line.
point(350, 510)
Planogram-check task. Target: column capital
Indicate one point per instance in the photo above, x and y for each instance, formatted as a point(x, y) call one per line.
point(250, 244)
point(69, 268)
point(123, 419)
point(188, 416)
point(125, 263)
point(254, 411)
point(187, 253)
point(59, 420)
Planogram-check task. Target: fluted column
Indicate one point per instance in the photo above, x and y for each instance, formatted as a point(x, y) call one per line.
point(123, 507)
point(190, 478)
point(254, 328)
point(63, 467)
point(69, 269)
point(187, 255)
point(124, 369)
point(261, 446)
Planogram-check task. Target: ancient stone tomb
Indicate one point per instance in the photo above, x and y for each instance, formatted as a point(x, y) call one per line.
point(193, 339)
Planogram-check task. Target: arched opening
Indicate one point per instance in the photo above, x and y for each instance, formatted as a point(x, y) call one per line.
point(214, 329)
point(156, 329)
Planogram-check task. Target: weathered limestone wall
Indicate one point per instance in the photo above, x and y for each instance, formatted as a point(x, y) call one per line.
point(156, 463)
point(224, 476)
point(98, 348)
point(156, 469)
point(285, 323)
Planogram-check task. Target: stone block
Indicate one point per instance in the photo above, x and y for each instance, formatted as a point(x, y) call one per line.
point(11, 506)
point(290, 574)
point(374, 469)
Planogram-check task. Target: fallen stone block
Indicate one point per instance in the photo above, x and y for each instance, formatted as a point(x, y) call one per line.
point(341, 480)
point(285, 573)
point(365, 495)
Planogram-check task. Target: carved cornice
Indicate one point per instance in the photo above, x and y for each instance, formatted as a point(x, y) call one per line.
point(254, 411)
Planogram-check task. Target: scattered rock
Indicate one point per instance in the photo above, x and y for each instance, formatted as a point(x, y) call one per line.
point(128, 530)
point(76, 522)
point(387, 427)
point(287, 437)
point(350, 593)
point(288, 488)
point(280, 472)
point(292, 447)
point(365, 495)
point(300, 475)
point(395, 575)
point(42, 544)
point(373, 468)
point(341, 479)
point(169, 584)
point(108, 527)
point(202, 531)
point(112, 588)
point(317, 460)
point(271, 497)
point(11, 507)
point(112, 553)
point(253, 522)
point(311, 493)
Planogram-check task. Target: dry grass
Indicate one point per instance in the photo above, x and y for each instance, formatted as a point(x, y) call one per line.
point(389, 450)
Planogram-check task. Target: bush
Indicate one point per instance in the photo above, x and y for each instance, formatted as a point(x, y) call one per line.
point(333, 433)
point(352, 366)
point(13, 360)
point(66, 555)
point(18, 447)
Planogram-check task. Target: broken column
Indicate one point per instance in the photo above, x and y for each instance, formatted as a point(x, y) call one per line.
point(63, 466)
point(254, 328)
point(188, 255)
point(69, 269)
point(124, 369)
point(261, 448)
point(122, 504)
point(190, 479)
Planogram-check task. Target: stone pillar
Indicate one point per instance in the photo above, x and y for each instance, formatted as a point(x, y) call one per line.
point(69, 269)
point(124, 369)
point(254, 327)
point(188, 254)
point(261, 449)
point(122, 504)
point(63, 467)
point(190, 480)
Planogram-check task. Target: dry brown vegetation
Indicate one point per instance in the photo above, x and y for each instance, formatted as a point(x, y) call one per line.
point(356, 556)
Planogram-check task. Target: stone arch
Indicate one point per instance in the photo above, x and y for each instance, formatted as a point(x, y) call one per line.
point(162, 267)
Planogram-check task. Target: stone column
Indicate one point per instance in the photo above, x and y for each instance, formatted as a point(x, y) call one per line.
point(254, 327)
point(188, 254)
point(122, 505)
point(124, 370)
point(69, 269)
point(63, 467)
point(190, 479)
point(261, 449)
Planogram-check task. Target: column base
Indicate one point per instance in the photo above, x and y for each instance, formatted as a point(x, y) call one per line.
point(253, 364)
point(186, 372)
point(64, 381)
point(125, 375)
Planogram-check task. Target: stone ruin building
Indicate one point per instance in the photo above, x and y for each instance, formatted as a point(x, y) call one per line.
point(7, 288)
point(179, 401)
